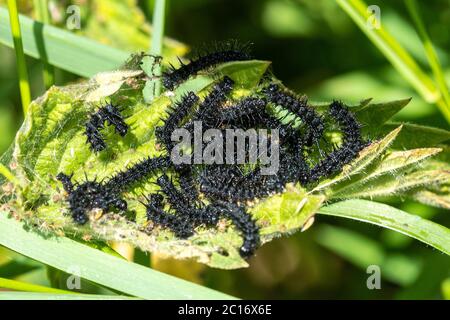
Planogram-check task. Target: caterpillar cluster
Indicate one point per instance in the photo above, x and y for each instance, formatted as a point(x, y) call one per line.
point(201, 195)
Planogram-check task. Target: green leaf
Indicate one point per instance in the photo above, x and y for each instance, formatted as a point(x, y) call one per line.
point(286, 212)
point(374, 115)
point(62, 49)
point(384, 174)
point(440, 199)
point(24, 286)
point(365, 158)
point(386, 216)
point(389, 185)
point(415, 136)
point(99, 267)
point(53, 296)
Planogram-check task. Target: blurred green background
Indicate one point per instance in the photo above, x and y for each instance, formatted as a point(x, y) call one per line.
point(316, 49)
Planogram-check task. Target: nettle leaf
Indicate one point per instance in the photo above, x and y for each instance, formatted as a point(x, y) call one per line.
point(435, 195)
point(52, 140)
point(438, 198)
point(388, 185)
point(391, 167)
point(365, 158)
point(374, 115)
point(398, 173)
point(415, 136)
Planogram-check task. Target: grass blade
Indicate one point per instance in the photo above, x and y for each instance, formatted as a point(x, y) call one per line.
point(386, 216)
point(99, 267)
point(54, 296)
point(61, 48)
point(24, 286)
point(24, 84)
point(431, 54)
point(395, 53)
point(42, 15)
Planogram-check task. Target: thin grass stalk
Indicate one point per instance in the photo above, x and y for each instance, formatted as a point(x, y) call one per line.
point(24, 83)
point(433, 59)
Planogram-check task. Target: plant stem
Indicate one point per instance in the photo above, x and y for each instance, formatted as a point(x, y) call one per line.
point(20, 57)
point(395, 53)
point(433, 60)
point(42, 15)
point(156, 44)
point(158, 27)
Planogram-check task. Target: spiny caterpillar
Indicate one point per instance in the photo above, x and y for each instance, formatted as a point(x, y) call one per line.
point(227, 52)
point(104, 195)
point(107, 113)
point(200, 195)
point(176, 115)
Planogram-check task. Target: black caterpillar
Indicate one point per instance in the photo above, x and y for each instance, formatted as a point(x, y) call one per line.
point(230, 51)
point(104, 195)
point(176, 115)
point(107, 113)
point(187, 216)
point(207, 193)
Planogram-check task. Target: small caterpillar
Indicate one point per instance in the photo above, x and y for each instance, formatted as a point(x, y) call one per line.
point(244, 223)
point(104, 195)
point(230, 51)
point(176, 115)
point(88, 196)
point(352, 143)
point(177, 223)
point(188, 183)
point(208, 109)
point(300, 108)
point(107, 113)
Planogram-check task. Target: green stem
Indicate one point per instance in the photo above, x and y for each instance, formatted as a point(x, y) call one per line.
point(42, 15)
point(433, 60)
point(158, 27)
point(395, 53)
point(156, 42)
point(24, 84)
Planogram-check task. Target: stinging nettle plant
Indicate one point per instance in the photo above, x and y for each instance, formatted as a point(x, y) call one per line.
point(397, 163)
